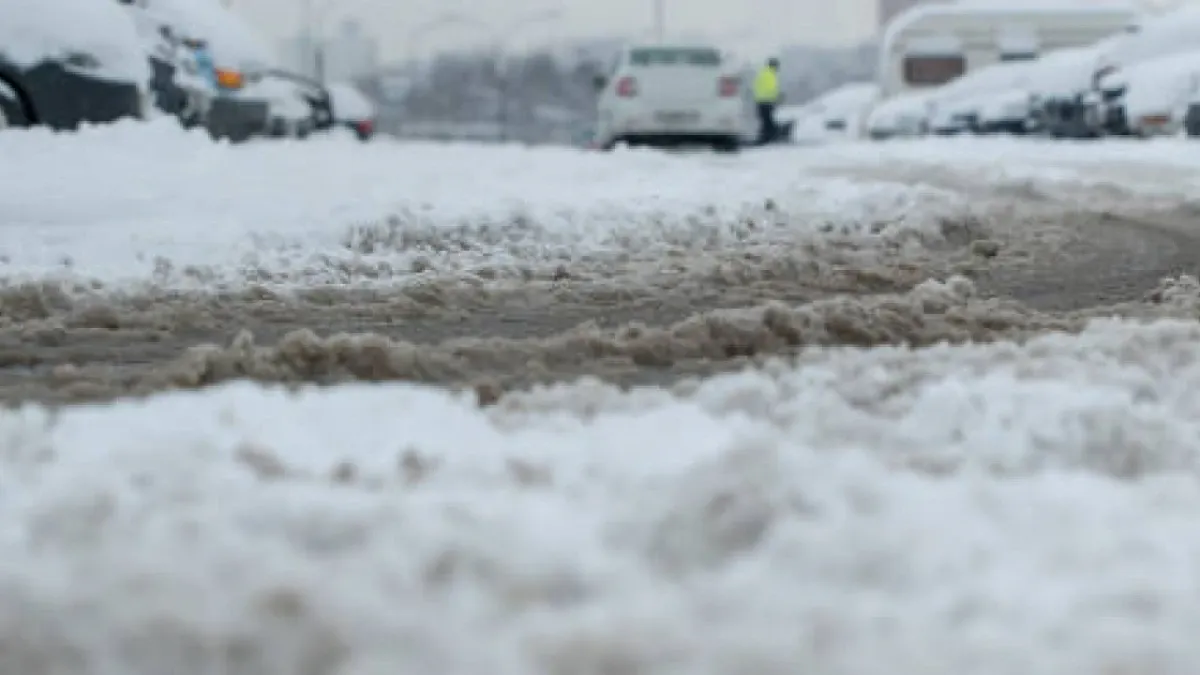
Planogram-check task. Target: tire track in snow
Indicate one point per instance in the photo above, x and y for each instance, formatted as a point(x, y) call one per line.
point(1014, 279)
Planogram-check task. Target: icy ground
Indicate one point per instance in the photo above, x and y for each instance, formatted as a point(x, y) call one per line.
point(1025, 505)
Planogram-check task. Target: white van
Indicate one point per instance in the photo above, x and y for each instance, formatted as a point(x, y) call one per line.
point(932, 44)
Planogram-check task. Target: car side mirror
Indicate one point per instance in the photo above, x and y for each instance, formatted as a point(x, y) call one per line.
point(600, 82)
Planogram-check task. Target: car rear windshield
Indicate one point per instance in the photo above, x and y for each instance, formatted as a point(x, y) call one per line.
point(661, 56)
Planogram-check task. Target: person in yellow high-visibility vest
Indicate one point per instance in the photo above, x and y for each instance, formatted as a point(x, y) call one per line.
point(766, 97)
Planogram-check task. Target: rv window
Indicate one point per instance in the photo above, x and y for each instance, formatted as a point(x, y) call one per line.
point(933, 70)
point(661, 56)
point(1018, 56)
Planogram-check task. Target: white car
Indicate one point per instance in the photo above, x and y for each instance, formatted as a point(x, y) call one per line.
point(675, 95)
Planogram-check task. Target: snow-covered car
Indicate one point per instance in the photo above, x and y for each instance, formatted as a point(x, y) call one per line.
point(992, 98)
point(238, 54)
point(1154, 38)
point(289, 114)
point(177, 85)
point(906, 115)
point(673, 95)
point(352, 109)
point(840, 113)
point(68, 62)
point(1158, 93)
point(1058, 83)
point(309, 105)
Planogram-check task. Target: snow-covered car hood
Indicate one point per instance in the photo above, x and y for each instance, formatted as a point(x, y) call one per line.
point(848, 104)
point(349, 104)
point(1004, 106)
point(99, 34)
point(902, 113)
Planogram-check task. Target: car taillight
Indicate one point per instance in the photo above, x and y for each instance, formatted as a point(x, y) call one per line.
point(627, 87)
point(728, 87)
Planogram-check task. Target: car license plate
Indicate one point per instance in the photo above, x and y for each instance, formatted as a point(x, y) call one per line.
point(677, 117)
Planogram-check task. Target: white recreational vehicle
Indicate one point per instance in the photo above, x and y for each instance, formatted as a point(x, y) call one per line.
point(931, 44)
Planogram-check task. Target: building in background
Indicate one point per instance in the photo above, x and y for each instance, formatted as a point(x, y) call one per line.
point(349, 53)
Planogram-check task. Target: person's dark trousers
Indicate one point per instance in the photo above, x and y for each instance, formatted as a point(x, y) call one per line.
point(766, 123)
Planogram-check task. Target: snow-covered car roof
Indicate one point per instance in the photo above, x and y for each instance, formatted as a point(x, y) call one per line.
point(231, 41)
point(1065, 72)
point(349, 103)
point(32, 31)
point(1174, 31)
point(990, 79)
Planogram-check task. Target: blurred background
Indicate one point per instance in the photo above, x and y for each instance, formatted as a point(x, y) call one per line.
point(523, 69)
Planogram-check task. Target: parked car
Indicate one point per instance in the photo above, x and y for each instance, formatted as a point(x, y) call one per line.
point(63, 73)
point(1059, 83)
point(1158, 93)
point(289, 114)
point(667, 95)
point(993, 98)
point(238, 54)
point(308, 107)
point(1151, 40)
point(352, 110)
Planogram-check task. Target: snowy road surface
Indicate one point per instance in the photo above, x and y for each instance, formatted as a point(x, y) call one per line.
point(790, 491)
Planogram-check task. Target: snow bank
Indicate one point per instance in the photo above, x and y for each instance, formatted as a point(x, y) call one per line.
point(349, 104)
point(137, 202)
point(32, 31)
point(996, 510)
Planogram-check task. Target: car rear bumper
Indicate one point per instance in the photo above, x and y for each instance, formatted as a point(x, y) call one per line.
point(655, 120)
point(236, 119)
point(64, 99)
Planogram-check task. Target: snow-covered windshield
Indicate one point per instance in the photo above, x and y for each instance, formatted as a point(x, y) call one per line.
point(32, 31)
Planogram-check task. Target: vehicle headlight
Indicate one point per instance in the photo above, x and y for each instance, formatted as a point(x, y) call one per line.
point(82, 61)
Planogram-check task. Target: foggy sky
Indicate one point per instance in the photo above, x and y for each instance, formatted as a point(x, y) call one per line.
point(753, 26)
